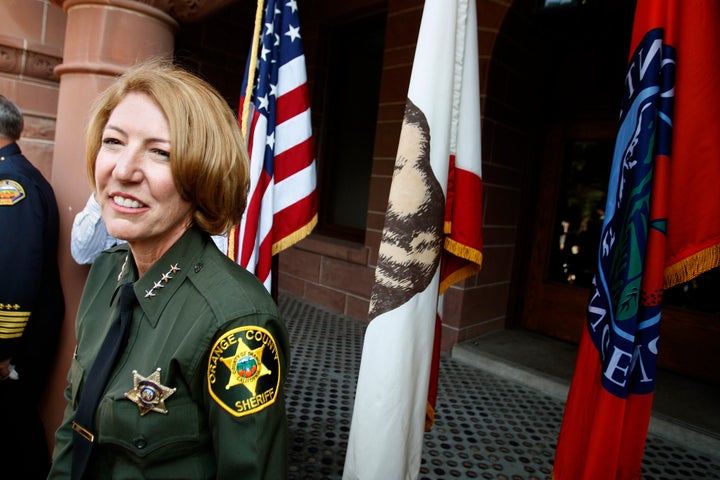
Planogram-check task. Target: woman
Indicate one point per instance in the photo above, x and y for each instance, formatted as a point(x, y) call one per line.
point(197, 389)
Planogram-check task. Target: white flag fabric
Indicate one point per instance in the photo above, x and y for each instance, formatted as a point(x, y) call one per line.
point(439, 141)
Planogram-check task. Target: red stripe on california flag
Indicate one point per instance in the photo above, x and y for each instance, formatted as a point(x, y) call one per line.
point(467, 211)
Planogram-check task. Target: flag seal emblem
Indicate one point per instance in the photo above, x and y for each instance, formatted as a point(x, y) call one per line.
point(243, 372)
point(623, 319)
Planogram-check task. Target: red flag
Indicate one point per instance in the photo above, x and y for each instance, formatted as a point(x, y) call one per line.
point(661, 227)
point(282, 200)
point(438, 160)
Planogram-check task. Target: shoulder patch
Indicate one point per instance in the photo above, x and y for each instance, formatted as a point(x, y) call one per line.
point(11, 192)
point(243, 374)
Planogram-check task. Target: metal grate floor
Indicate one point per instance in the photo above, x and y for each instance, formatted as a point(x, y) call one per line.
point(486, 427)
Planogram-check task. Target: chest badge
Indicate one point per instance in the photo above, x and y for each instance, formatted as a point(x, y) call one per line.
point(148, 393)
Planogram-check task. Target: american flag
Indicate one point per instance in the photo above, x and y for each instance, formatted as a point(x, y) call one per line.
point(282, 200)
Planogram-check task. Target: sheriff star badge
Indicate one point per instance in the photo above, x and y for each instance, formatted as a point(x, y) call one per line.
point(148, 393)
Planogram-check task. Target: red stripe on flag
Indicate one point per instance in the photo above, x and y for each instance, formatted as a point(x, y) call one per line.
point(294, 159)
point(264, 261)
point(292, 103)
point(294, 217)
point(252, 211)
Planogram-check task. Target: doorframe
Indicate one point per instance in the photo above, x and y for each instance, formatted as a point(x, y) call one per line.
point(566, 302)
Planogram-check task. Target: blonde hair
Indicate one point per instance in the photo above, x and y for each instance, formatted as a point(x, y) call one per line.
point(208, 157)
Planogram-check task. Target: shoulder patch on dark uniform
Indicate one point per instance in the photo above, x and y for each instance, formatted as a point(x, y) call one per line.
point(11, 192)
point(243, 372)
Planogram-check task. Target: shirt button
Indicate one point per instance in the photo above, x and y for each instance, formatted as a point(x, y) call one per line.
point(140, 443)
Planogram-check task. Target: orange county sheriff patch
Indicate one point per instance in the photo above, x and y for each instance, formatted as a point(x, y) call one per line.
point(244, 370)
point(11, 192)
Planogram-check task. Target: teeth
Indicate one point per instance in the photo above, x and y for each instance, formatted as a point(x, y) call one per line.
point(126, 202)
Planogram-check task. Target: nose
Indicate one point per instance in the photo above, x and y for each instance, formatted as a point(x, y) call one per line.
point(127, 167)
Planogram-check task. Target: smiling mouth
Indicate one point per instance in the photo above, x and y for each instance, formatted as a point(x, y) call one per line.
point(127, 202)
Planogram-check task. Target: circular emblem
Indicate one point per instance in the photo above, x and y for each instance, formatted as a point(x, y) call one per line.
point(247, 366)
point(148, 393)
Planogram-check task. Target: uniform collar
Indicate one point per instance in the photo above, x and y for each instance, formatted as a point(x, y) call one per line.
point(9, 149)
point(157, 286)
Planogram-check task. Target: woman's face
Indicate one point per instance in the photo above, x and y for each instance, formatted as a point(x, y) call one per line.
point(133, 181)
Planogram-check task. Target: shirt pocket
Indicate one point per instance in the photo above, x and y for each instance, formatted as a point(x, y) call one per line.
point(156, 437)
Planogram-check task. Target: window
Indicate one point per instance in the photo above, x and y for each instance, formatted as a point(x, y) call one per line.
point(349, 101)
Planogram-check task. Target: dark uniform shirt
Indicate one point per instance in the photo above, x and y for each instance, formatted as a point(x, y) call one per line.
point(31, 300)
point(209, 335)
point(31, 305)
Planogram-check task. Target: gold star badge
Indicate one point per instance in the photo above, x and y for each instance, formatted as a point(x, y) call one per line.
point(148, 393)
point(245, 367)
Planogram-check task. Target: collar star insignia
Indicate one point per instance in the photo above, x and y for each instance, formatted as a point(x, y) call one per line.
point(148, 393)
point(166, 277)
point(245, 367)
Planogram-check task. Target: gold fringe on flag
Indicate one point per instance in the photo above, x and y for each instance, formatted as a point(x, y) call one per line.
point(692, 266)
point(429, 416)
point(295, 237)
point(467, 253)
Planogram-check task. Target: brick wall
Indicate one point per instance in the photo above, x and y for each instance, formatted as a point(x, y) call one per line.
point(30, 47)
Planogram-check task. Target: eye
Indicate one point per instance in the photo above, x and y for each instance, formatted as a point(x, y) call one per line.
point(161, 153)
point(110, 141)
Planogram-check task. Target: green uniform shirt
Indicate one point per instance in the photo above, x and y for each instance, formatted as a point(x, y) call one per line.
point(216, 336)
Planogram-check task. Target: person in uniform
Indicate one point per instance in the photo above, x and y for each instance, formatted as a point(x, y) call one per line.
point(197, 389)
point(31, 300)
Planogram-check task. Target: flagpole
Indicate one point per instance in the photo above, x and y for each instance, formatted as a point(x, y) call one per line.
point(232, 251)
point(252, 67)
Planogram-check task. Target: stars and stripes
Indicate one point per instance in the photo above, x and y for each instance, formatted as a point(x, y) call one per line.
point(282, 200)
